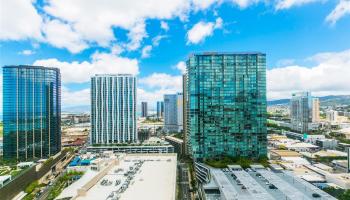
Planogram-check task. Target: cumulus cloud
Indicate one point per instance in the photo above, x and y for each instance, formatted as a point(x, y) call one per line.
point(19, 20)
point(181, 66)
point(80, 72)
point(146, 51)
point(245, 3)
point(153, 87)
point(203, 4)
point(75, 98)
point(164, 25)
point(75, 32)
point(342, 9)
point(161, 80)
point(64, 26)
point(111, 14)
point(136, 35)
point(200, 31)
point(26, 52)
point(117, 49)
point(330, 75)
point(286, 4)
point(62, 35)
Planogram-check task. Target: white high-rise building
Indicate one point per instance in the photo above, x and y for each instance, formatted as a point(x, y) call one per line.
point(113, 109)
point(332, 116)
point(301, 111)
point(315, 110)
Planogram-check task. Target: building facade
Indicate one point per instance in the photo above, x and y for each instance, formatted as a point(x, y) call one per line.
point(185, 121)
point(32, 112)
point(144, 110)
point(332, 116)
point(227, 105)
point(301, 111)
point(160, 109)
point(113, 109)
point(315, 110)
point(173, 112)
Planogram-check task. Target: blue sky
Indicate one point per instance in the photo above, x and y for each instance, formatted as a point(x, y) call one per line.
point(307, 42)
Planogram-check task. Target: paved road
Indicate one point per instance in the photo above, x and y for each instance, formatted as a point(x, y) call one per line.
point(45, 193)
point(184, 184)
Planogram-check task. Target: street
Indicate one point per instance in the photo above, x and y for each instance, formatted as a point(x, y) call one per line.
point(183, 182)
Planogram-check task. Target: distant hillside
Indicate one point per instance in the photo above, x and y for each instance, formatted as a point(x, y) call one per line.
point(278, 102)
point(335, 100)
point(330, 100)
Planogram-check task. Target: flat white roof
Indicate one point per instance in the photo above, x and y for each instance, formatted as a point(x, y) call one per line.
point(4, 178)
point(156, 179)
point(301, 145)
point(72, 190)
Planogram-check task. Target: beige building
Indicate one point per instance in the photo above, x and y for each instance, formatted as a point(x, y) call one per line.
point(315, 110)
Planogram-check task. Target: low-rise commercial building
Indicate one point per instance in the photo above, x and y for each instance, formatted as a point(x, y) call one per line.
point(234, 183)
point(4, 179)
point(177, 143)
point(133, 149)
point(327, 143)
point(127, 177)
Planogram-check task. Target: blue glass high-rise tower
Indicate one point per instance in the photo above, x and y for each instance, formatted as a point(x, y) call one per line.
point(226, 106)
point(32, 112)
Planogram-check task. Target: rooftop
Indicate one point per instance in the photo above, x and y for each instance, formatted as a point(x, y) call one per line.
point(131, 177)
point(285, 153)
point(113, 75)
point(208, 53)
point(262, 184)
point(31, 67)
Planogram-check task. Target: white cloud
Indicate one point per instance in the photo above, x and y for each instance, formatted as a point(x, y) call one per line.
point(26, 52)
point(136, 35)
point(80, 72)
point(19, 20)
point(200, 31)
point(146, 51)
point(61, 35)
point(75, 98)
point(153, 87)
point(117, 49)
point(203, 4)
point(156, 40)
point(329, 76)
point(94, 20)
point(218, 23)
point(286, 4)
point(164, 25)
point(162, 81)
point(342, 9)
point(181, 66)
point(77, 25)
point(245, 3)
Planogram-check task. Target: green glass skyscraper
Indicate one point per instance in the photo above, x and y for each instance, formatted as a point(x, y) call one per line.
point(227, 105)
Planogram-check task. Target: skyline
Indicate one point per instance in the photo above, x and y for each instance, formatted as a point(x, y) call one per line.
point(305, 42)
